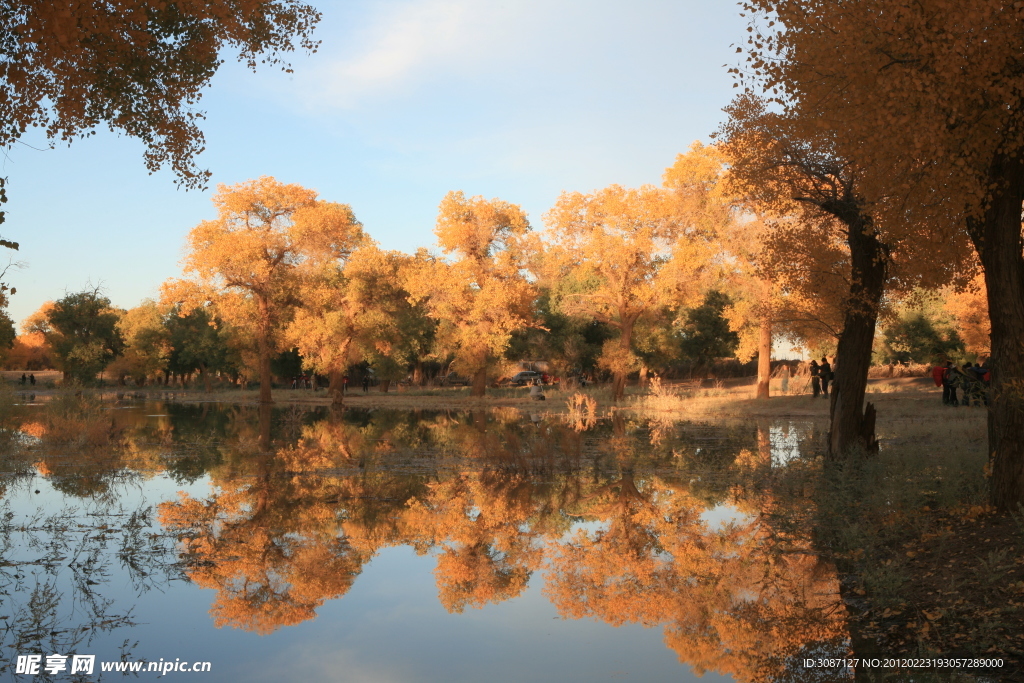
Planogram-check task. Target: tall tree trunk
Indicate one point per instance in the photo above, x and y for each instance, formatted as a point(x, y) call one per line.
point(336, 387)
point(385, 384)
point(265, 375)
point(479, 383)
point(997, 239)
point(764, 358)
point(618, 386)
point(625, 348)
point(207, 380)
point(417, 374)
point(263, 339)
point(852, 425)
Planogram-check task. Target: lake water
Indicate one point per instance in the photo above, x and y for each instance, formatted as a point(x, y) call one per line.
point(414, 546)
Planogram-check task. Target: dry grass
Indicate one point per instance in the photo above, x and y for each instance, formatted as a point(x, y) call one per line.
point(582, 411)
point(908, 370)
point(78, 419)
point(44, 378)
point(929, 569)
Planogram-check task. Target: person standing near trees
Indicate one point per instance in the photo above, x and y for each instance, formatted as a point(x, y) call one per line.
point(948, 392)
point(826, 375)
point(815, 378)
point(956, 380)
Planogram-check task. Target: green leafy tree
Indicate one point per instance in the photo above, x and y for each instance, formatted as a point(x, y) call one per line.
point(199, 343)
point(571, 344)
point(916, 338)
point(146, 343)
point(921, 330)
point(7, 333)
point(705, 332)
point(82, 330)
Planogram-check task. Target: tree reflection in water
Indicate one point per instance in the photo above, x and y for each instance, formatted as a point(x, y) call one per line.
point(615, 516)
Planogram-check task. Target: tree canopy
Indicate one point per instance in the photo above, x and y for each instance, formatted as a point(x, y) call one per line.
point(138, 66)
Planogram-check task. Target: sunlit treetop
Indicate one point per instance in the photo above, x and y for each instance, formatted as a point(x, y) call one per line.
point(793, 172)
point(136, 65)
point(924, 93)
point(264, 229)
point(478, 229)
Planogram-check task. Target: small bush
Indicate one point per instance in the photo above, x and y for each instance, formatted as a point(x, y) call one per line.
point(74, 418)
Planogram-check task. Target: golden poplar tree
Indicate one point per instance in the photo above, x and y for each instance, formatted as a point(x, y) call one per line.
point(268, 237)
point(477, 294)
point(621, 255)
point(349, 311)
point(969, 310)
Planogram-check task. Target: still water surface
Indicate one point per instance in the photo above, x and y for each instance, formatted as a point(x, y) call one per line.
point(416, 546)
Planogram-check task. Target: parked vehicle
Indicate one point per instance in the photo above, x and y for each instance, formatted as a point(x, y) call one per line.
point(521, 379)
point(454, 380)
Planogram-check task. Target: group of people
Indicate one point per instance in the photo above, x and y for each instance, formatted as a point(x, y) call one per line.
point(963, 386)
point(821, 376)
point(30, 379)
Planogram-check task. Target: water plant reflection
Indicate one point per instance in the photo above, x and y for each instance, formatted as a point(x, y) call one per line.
point(54, 569)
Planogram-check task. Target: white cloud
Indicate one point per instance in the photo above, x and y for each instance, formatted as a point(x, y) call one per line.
point(403, 42)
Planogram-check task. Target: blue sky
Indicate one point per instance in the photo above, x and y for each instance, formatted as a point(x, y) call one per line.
point(405, 101)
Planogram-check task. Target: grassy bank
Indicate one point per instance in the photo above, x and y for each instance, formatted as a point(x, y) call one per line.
point(928, 569)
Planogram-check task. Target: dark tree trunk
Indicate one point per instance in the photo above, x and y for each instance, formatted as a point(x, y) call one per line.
point(764, 359)
point(385, 384)
point(852, 426)
point(336, 387)
point(997, 239)
point(626, 346)
point(479, 383)
point(265, 375)
point(417, 374)
point(263, 345)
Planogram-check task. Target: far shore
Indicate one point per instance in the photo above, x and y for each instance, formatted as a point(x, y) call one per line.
point(895, 398)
